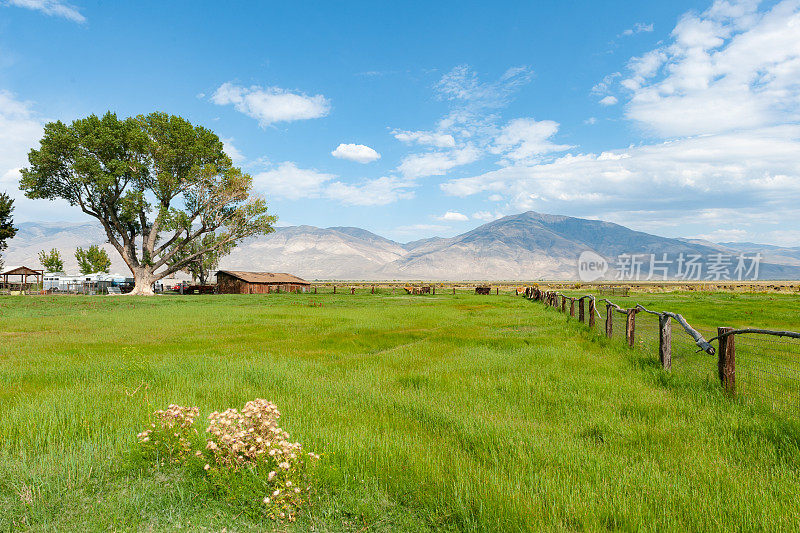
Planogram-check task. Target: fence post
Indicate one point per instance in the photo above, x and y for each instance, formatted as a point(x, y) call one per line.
point(352, 290)
point(665, 341)
point(572, 307)
point(563, 303)
point(609, 320)
point(315, 290)
point(630, 326)
point(334, 289)
point(727, 360)
point(454, 291)
point(581, 312)
point(373, 289)
point(591, 313)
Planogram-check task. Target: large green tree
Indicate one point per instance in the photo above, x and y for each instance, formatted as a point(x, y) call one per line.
point(201, 266)
point(51, 261)
point(93, 259)
point(7, 229)
point(155, 182)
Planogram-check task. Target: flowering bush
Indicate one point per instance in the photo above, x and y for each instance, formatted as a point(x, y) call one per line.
point(243, 450)
point(171, 434)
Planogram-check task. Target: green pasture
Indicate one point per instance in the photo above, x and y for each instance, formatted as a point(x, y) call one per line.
point(455, 413)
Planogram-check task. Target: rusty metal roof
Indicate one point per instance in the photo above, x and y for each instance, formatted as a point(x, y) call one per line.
point(265, 277)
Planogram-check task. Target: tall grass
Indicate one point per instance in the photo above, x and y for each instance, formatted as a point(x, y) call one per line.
point(436, 412)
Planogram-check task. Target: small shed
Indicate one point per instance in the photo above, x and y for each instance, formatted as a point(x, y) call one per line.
point(238, 282)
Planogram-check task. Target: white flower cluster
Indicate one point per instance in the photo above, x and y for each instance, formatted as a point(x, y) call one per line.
point(242, 437)
point(171, 429)
point(236, 439)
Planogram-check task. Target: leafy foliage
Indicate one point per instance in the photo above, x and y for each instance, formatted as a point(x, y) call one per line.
point(94, 259)
point(155, 182)
point(7, 229)
point(51, 261)
point(204, 256)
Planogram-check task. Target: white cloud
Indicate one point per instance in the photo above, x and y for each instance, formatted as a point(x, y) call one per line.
point(271, 104)
point(590, 121)
point(639, 27)
point(472, 100)
point(608, 100)
point(756, 170)
point(525, 138)
point(495, 197)
point(462, 84)
point(440, 140)
point(236, 156)
point(469, 130)
point(54, 8)
point(20, 131)
point(487, 216)
point(436, 163)
point(729, 68)
point(605, 85)
point(356, 152)
point(725, 235)
point(289, 181)
point(380, 191)
point(452, 216)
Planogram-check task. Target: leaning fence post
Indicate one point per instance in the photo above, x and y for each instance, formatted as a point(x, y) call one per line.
point(572, 307)
point(580, 310)
point(630, 326)
point(727, 360)
point(665, 341)
point(609, 320)
point(591, 313)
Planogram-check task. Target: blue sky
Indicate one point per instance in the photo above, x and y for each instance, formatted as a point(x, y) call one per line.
point(678, 118)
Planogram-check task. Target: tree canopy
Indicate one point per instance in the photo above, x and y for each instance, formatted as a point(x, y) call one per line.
point(51, 261)
point(201, 266)
point(7, 229)
point(155, 182)
point(92, 260)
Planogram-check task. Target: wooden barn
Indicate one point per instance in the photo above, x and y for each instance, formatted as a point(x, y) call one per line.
point(238, 282)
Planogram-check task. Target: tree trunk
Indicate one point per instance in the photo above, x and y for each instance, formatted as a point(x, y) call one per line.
point(143, 283)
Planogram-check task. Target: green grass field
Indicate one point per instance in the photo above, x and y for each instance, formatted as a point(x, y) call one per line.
point(438, 412)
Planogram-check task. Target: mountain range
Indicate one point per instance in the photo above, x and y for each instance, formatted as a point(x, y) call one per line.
point(526, 246)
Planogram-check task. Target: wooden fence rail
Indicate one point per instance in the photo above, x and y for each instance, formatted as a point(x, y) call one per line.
point(726, 336)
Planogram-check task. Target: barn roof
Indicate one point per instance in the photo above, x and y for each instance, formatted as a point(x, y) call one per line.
point(264, 277)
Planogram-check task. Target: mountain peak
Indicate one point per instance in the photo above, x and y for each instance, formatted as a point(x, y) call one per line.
point(525, 246)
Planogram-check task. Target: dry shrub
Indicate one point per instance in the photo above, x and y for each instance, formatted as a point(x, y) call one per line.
point(245, 456)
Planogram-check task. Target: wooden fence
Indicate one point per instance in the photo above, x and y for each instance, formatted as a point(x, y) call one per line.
point(769, 360)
